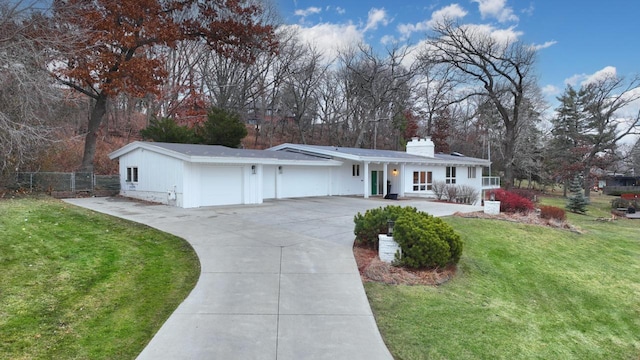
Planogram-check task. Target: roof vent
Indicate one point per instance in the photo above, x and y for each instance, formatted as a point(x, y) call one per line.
point(457, 154)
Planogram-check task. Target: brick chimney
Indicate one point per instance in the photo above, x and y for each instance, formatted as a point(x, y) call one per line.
point(421, 147)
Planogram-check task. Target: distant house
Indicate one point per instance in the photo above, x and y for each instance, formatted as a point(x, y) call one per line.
point(619, 183)
point(189, 176)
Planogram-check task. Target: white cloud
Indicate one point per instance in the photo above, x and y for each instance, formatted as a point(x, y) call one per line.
point(496, 9)
point(605, 73)
point(451, 12)
point(388, 39)
point(551, 90)
point(376, 17)
point(530, 10)
point(577, 80)
point(501, 35)
point(340, 10)
point(308, 11)
point(328, 37)
point(544, 46)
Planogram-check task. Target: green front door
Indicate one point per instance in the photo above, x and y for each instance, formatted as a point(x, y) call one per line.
point(374, 183)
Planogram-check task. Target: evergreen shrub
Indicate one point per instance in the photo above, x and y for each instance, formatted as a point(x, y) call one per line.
point(374, 222)
point(426, 241)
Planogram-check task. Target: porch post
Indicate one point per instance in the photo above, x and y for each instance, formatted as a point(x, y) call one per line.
point(385, 178)
point(366, 180)
point(401, 184)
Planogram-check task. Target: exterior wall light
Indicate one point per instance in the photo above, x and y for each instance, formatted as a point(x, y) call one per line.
point(390, 225)
point(280, 169)
point(395, 172)
point(253, 169)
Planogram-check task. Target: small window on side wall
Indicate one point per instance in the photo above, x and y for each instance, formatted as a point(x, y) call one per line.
point(132, 174)
point(355, 170)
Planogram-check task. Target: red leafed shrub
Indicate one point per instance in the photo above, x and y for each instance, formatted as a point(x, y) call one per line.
point(526, 193)
point(552, 212)
point(511, 202)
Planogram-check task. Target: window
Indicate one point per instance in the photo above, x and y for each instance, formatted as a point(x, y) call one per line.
point(422, 180)
point(132, 174)
point(471, 173)
point(355, 169)
point(451, 175)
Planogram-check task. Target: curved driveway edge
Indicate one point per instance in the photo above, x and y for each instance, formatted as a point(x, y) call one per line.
point(278, 280)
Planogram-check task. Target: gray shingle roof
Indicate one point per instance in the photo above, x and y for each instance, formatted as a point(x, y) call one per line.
point(223, 151)
point(380, 155)
point(366, 152)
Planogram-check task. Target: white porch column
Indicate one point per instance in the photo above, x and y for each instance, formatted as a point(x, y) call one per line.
point(366, 180)
point(385, 178)
point(402, 182)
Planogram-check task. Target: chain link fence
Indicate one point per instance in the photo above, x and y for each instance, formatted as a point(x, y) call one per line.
point(68, 184)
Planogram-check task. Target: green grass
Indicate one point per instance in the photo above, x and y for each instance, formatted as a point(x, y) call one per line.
point(76, 284)
point(525, 292)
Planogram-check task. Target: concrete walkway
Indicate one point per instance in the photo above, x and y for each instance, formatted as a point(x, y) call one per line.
point(278, 280)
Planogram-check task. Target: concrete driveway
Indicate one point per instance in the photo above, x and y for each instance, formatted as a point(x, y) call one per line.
point(278, 280)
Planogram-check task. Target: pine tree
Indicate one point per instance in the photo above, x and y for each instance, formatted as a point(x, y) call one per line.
point(223, 127)
point(577, 202)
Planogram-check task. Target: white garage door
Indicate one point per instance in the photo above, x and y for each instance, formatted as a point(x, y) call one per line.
point(305, 181)
point(221, 185)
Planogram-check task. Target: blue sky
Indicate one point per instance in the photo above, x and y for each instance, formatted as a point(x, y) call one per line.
point(577, 39)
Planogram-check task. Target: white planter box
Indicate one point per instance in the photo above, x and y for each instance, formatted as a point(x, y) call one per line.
point(492, 207)
point(387, 248)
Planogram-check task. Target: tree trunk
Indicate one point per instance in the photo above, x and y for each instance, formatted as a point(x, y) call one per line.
point(587, 181)
point(99, 109)
point(509, 155)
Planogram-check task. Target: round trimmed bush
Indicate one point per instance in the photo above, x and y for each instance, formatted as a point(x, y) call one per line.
point(374, 222)
point(426, 241)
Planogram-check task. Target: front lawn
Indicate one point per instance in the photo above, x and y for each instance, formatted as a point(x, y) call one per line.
point(82, 285)
point(525, 292)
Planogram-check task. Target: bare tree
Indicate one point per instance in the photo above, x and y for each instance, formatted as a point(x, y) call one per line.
point(435, 92)
point(503, 69)
point(28, 97)
point(300, 100)
point(377, 89)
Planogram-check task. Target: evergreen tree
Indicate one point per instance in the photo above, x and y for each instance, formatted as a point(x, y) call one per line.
point(635, 158)
point(565, 150)
point(166, 130)
point(577, 202)
point(221, 128)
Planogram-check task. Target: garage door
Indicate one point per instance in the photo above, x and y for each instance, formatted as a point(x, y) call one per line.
point(220, 185)
point(305, 181)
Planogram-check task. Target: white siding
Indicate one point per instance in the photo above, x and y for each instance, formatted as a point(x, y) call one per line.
point(269, 182)
point(157, 176)
point(344, 182)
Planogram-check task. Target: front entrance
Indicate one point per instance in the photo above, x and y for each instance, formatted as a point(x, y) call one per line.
point(377, 178)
